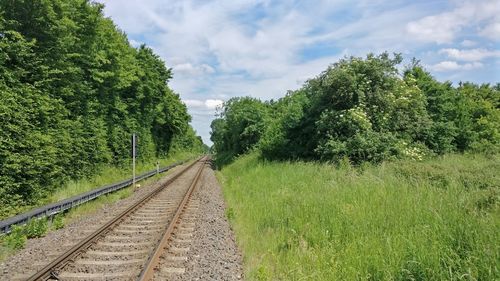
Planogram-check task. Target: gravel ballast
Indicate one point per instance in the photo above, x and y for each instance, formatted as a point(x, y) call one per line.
point(213, 253)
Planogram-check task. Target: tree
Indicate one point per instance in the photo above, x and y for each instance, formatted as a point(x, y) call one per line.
point(363, 109)
point(239, 126)
point(72, 91)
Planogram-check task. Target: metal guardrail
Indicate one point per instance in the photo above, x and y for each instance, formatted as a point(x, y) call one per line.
point(66, 204)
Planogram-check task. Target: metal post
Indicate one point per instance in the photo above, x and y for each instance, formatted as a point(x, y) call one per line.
point(133, 160)
point(157, 167)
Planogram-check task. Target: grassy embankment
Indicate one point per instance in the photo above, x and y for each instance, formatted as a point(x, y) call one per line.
point(111, 175)
point(108, 174)
point(404, 220)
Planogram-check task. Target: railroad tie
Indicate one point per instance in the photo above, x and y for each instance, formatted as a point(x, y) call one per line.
point(172, 270)
point(94, 276)
point(113, 262)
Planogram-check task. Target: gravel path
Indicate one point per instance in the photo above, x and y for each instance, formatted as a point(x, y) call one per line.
point(212, 254)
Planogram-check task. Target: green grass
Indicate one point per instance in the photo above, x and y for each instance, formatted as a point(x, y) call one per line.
point(432, 220)
point(106, 175)
point(112, 174)
point(95, 205)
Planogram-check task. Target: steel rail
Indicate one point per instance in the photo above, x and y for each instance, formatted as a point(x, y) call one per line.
point(147, 272)
point(49, 271)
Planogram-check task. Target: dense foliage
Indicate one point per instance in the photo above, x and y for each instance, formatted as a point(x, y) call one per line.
point(72, 91)
point(363, 110)
point(239, 127)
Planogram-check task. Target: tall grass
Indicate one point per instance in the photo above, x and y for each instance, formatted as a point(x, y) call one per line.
point(112, 174)
point(405, 220)
point(107, 174)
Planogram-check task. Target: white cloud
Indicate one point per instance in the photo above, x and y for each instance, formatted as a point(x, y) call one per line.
point(130, 17)
point(189, 69)
point(203, 104)
point(445, 66)
point(469, 55)
point(293, 76)
point(194, 103)
point(468, 43)
point(440, 29)
point(492, 31)
point(203, 112)
point(224, 48)
point(213, 104)
point(444, 27)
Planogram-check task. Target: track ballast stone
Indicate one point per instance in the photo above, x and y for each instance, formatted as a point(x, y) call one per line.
point(41, 251)
point(212, 255)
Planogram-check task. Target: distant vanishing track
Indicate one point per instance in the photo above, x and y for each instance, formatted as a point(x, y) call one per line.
point(129, 246)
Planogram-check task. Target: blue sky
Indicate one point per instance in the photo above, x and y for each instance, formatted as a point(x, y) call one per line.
point(224, 48)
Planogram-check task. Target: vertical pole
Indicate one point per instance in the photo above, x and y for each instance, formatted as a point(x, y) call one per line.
point(133, 160)
point(157, 167)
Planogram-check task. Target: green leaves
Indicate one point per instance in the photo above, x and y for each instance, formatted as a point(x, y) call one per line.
point(363, 109)
point(239, 126)
point(16, 239)
point(72, 91)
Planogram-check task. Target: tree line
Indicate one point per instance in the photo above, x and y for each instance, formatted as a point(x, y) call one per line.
point(72, 91)
point(363, 109)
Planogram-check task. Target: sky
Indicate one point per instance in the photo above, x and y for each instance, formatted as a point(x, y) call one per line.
point(220, 49)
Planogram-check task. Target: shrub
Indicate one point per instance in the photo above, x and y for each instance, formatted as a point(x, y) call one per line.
point(16, 239)
point(364, 109)
point(58, 221)
point(36, 228)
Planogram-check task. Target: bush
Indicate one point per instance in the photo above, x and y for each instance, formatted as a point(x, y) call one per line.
point(36, 228)
point(239, 127)
point(58, 221)
point(366, 110)
point(16, 239)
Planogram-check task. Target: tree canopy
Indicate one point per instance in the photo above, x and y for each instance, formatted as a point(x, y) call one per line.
point(72, 91)
point(363, 109)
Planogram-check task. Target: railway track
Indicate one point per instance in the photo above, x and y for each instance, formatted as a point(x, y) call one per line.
point(131, 246)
